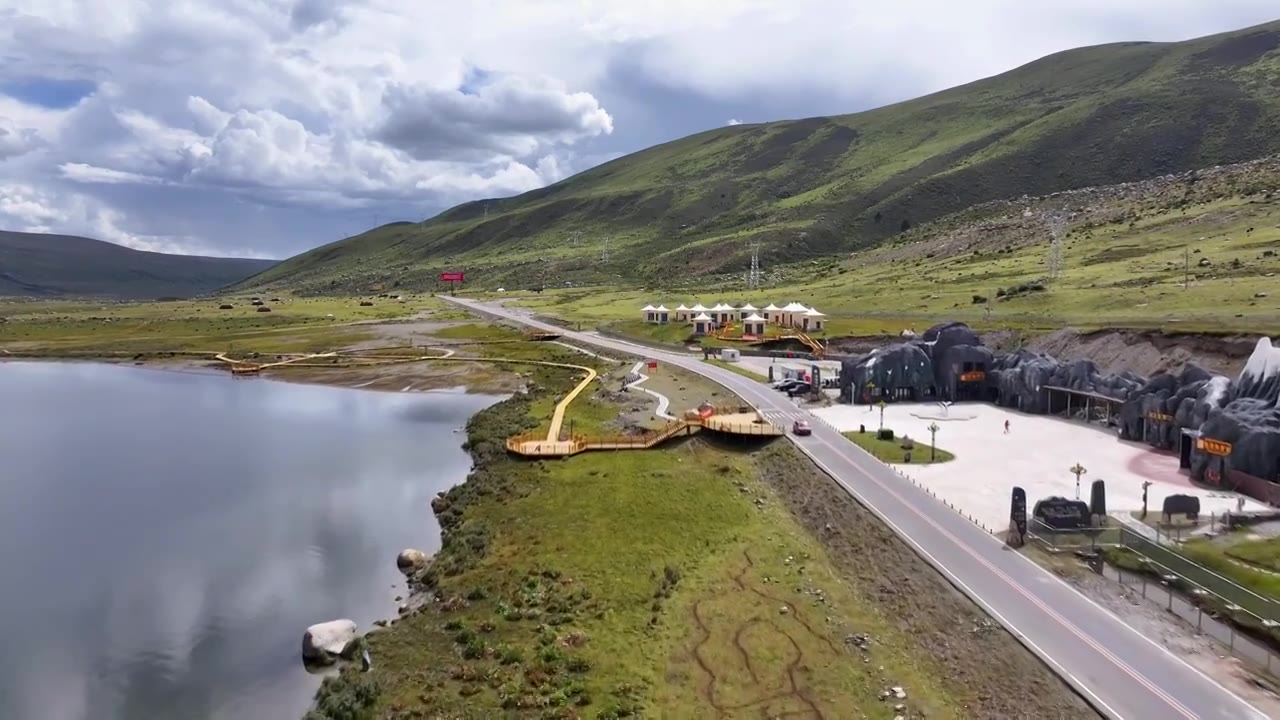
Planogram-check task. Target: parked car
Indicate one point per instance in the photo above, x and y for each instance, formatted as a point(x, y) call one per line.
point(801, 427)
point(803, 388)
point(787, 384)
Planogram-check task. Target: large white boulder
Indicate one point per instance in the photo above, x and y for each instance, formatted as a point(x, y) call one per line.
point(410, 560)
point(325, 642)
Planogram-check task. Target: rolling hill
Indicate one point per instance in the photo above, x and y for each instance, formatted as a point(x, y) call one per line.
point(815, 187)
point(39, 265)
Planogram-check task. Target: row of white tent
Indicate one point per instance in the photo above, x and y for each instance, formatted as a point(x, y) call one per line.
point(790, 315)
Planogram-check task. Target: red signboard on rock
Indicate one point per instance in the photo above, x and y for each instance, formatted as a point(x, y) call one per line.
point(451, 276)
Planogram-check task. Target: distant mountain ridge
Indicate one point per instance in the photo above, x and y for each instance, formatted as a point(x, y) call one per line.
point(804, 189)
point(54, 266)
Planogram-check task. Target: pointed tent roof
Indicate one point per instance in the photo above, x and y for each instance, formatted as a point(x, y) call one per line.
point(648, 308)
point(663, 308)
point(721, 307)
point(681, 308)
point(748, 307)
point(753, 318)
point(794, 307)
point(771, 307)
point(812, 312)
point(697, 308)
point(703, 317)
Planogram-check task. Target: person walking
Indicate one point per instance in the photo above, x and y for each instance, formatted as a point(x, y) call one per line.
point(1006, 427)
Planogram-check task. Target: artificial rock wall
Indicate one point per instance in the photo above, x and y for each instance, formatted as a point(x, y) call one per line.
point(1244, 412)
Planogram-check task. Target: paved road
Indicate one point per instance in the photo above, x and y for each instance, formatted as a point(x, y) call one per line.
point(1121, 672)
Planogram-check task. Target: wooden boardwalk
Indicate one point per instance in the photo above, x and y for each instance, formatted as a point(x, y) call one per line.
point(535, 444)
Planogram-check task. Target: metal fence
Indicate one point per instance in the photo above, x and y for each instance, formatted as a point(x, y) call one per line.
point(1163, 593)
point(1216, 605)
point(1199, 579)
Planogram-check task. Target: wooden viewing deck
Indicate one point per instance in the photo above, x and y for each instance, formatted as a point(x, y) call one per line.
point(539, 444)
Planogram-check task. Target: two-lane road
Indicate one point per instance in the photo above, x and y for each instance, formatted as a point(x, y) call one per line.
point(1122, 673)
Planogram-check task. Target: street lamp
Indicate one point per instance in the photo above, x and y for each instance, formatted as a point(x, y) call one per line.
point(871, 387)
point(1077, 470)
point(882, 405)
point(933, 441)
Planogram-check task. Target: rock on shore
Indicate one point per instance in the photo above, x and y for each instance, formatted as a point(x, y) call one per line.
point(323, 643)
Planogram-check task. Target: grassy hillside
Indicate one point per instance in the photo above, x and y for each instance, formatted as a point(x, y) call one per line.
point(1198, 252)
point(39, 265)
point(811, 188)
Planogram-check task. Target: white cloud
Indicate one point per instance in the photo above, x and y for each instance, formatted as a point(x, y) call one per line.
point(28, 209)
point(15, 141)
point(80, 172)
point(733, 121)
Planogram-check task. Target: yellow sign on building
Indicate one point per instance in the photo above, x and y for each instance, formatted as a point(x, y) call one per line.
point(1160, 417)
point(1214, 447)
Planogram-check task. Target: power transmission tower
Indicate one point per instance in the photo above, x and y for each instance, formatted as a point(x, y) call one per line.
point(753, 277)
point(604, 255)
point(1186, 267)
point(1056, 224)
point(574, 237)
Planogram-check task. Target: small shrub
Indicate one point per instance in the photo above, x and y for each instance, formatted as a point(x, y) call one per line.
point(474, 650)
point(578, 665)
point(510, 656)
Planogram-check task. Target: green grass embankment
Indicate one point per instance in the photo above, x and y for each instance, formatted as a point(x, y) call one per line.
point(627, 584)
point(892, 452)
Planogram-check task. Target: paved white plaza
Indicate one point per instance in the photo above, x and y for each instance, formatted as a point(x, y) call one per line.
point(1036, 454)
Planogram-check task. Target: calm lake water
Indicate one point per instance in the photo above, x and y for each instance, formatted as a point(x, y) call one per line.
point(166, 537)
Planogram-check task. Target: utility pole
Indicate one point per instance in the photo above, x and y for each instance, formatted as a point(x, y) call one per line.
point(604, 255)
point(933, 441)
point(1056, 224)
point(753, 277)
point(574, 237)
point(1186, 267)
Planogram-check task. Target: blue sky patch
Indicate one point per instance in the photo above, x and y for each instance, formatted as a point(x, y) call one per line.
point(48, 92)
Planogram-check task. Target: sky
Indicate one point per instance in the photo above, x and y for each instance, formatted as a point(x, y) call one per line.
point(263, 128)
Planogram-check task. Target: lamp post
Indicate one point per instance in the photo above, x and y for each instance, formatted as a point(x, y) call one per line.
point(871, 386)
point(1077, 470)
point(933, 441)
point(882, 405)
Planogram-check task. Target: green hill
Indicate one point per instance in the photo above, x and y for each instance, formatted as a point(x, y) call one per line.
point(39, 265)
point(819, 186)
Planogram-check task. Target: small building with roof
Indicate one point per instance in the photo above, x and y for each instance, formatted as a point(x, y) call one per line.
point(648, 312)
point(723, 313)
point(753, 324)
point(703, 324)
point(789, 315)
point(682, 313)
point(770, 313)
point(745, 310)
point(812, 320)
point(662, 315)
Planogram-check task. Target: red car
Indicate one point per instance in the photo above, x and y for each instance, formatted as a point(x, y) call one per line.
point(801, 427)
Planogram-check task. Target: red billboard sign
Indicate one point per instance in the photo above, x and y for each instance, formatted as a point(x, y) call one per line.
point(451, 276)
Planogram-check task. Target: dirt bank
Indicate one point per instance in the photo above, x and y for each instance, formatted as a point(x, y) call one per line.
point(1148, 352)
point(1002, 677)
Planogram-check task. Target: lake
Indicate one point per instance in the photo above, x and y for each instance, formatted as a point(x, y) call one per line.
point(166, 537)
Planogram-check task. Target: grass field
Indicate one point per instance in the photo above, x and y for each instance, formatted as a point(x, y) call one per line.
point(293, 325)
point(892, 452)
point(613, 585)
